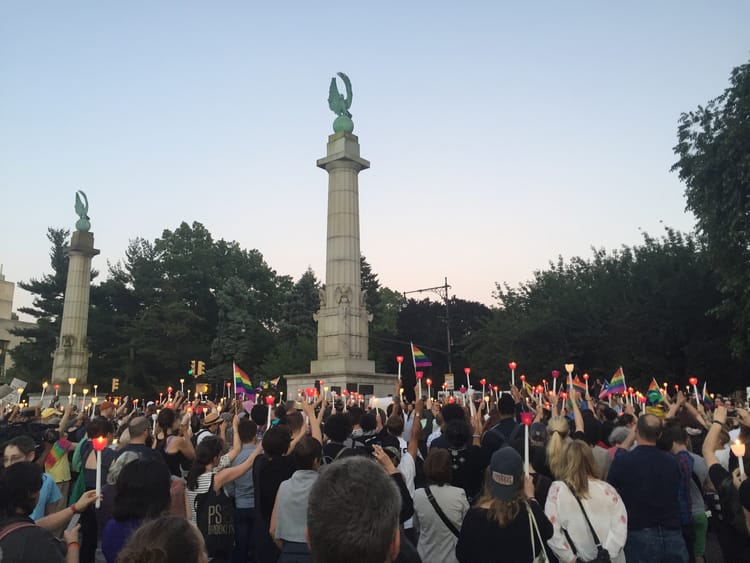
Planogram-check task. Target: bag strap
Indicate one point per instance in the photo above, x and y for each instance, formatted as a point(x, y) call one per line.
point(535, 530)
point(586, 516)
point(440, 512)
point(13, 527)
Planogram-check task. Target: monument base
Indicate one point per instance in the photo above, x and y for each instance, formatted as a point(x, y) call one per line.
point(70, 362)
point(365, 383)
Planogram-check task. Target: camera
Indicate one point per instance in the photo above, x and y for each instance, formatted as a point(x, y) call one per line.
point(50, 435)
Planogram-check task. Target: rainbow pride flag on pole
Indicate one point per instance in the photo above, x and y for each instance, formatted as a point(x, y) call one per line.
point(419, 357)
point(579, 386)
point(617, 383)
point(242, 383)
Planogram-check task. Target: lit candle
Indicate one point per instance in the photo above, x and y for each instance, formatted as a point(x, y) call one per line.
point(467, 371)
point(93, 406)
point(400, 360)
point(71, 381)
point(44, 388)
point(419, 375)
point(569, 368)
point(483, 381)
point(100, 442)
point(586, 379)
point(738, 449)
point(526, 419)
point(270, 402)
point(497, 396)
point(96, 387)
point(20, 392)
point(429, 388)
point(83, 401)
point(169, 393)
point(555, 375)
point(512, 366)
point(182, 384)
point(694, 382)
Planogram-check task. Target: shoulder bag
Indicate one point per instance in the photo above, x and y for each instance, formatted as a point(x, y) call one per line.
point(440, 512)
point(602, 555)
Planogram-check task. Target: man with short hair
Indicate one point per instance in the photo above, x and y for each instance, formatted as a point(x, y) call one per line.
point(139, 430)
point(243, 491)
point(648, 480)
point(505, 431)
point(366, 531)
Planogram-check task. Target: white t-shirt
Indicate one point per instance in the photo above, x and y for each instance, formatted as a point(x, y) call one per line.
point(408, 470)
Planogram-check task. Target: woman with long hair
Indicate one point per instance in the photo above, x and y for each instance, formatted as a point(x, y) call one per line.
point(142, 493)
point(577, 490)
point(174, 440)
point(506, 514)
point(209, 467)
point(20, 538)
point(558, 430)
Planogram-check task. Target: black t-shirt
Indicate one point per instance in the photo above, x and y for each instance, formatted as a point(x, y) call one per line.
point(735, 545)
point(502, 434)
point(468, 464)
point(481, 540)
point(268, 474)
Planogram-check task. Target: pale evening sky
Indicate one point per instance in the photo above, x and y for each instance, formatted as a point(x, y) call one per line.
point(500, 135)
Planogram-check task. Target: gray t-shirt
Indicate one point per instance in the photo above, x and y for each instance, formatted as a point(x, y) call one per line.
point(436, 542)
point(291, 505)
point(700, 468)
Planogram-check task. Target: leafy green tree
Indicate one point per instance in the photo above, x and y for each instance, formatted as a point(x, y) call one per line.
point(33, 358)
point(714, 163)
point(642, 307)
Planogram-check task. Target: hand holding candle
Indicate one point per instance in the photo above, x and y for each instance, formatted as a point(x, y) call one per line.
point(527, 418)
point(694, 382)
point(738, 449)
point(512, 366)
point(99, 443)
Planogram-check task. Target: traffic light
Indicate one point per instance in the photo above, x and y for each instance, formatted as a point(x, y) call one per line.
point(201, 368)
point(115, 384)
point(191, 371)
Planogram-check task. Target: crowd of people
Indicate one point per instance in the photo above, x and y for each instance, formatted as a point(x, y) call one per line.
point(515, 477)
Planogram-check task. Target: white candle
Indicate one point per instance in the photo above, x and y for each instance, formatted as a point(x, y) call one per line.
point(98, 478)
point(270, 414)
point(526, 449)
point(738, 449)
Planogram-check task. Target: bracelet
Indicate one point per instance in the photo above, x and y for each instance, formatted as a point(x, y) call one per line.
point(74, 509)
point(74, 543)
point(717, 422)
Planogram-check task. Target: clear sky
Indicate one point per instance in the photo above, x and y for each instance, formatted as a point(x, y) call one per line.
point(500, 135)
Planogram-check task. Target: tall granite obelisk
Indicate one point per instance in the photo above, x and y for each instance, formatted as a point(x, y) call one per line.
point(71, 358)
point(343, 317)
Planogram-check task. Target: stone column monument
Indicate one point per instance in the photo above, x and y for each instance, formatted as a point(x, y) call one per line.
point(343, 317)
point(71, 358)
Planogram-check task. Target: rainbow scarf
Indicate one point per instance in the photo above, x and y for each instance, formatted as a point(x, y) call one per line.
point(56, 453)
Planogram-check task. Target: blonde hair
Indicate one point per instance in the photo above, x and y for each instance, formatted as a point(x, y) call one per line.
point(578, 468)
point(558, 430)
point(502, 512)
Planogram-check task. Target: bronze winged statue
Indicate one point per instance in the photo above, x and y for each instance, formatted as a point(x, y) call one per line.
point(337, 102)
point(82, 210)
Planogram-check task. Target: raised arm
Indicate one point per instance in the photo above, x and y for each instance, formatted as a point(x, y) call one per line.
point(231, 473)
point(712, 438)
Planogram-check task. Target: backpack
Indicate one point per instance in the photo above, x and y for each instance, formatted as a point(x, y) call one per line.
point(197, 435)
point(343, 452)
point(506, 440)
point(214, 515)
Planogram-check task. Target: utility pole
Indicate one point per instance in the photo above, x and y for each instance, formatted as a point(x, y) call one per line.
point(442, 291)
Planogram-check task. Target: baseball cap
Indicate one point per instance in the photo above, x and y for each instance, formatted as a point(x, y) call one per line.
point(506, 473)
point(48, 412)
point(538, 433)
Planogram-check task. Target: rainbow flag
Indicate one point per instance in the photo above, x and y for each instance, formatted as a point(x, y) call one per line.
point(617, 383)
point(419, 357)
point(653, 394)
point(706, 398)
point(242, 383)
point(579, 386)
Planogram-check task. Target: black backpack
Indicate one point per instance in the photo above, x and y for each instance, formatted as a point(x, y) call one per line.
point(343, 452)
point(214, 515)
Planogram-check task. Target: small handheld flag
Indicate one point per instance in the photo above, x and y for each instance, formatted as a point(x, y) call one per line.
point(617, 383)
point(419, 357)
